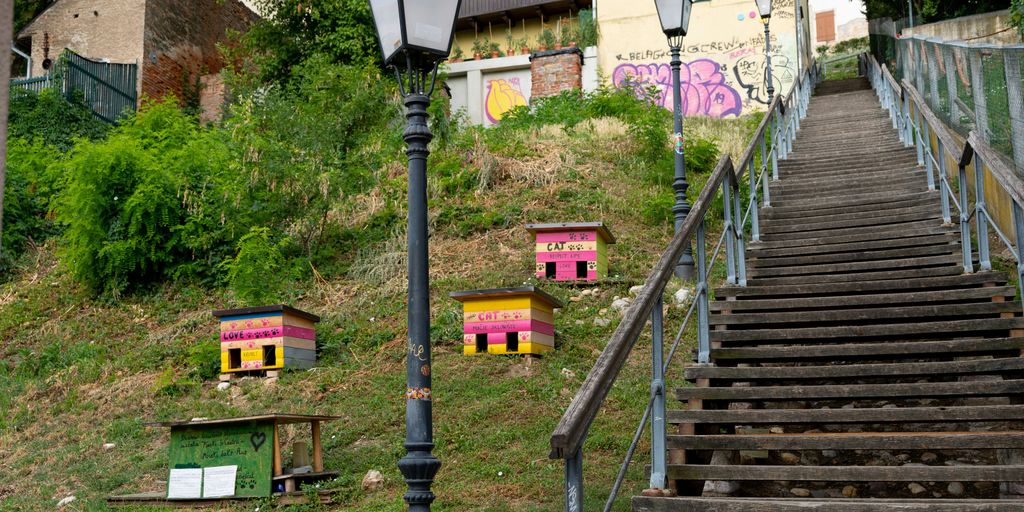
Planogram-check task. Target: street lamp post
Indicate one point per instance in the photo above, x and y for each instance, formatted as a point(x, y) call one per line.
point(415, 36)
point(675, 19)
point(764, 7)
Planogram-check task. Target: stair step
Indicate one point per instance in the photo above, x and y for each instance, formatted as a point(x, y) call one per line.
point(1010, 364)
point(826, 187)
point(889, 226)
point(769, 229)
point(870, 350)
point(837, 289)
point(847, 301)
point(950, 269)
point(690, 504)
point(971, 413)
point(850, 391)
point(869, 255)
point(868, 314)
point(876, 235)
point(815, 270)
point(859, 178)
point(759, 251)
point(828, 334)
point(926, 209)
point(914, 199)
point(852, 441)
point(844, 200)
point(849, 473)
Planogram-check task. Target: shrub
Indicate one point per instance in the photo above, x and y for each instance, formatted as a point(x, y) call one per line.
point(138, 205)
point(256, 274)
point(54, 119)
point(29, 187)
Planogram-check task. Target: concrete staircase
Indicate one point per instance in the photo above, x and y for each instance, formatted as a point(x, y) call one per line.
point(861, 369)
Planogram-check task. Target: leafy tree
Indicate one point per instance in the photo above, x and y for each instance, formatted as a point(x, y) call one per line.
point(292, 31)
point(1017, 11)
point(928, 11)
point(26, 10)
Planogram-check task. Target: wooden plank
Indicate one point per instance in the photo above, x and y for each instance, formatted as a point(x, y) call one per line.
point(849, 473)
point(277, 453)
point(872, 255)
point(854, 441)
point(975, 413)
point(950, 269)
point(940, 282)
point(872, 350)
point(847, 391)
point(690, 504)
point(507, 315)
point(813, 272)
point(891, 312)
point(837, 371)
point(915, 297)
point(318, 456)
point(854, 331)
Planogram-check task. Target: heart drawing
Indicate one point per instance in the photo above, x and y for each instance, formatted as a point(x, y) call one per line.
point(257, 439)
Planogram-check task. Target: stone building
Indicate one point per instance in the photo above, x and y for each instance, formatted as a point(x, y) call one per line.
point(174, 42)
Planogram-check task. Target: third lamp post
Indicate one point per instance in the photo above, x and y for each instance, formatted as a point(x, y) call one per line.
point(675, 19)
point(764, 7)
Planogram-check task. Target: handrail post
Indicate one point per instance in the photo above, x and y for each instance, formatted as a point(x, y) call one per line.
point(783, 133)
point(775, 156)
point(926, 145)
point(659, 446)
point(965, 220)
point(766, 194)
point(1018, 229)
point(981, 214)
point(918, 140)
point(574, 482)
point(755, 221)
point(729, 228)
point(741, 251)
point(703, 323)
point(947, 219)
point(908, 125)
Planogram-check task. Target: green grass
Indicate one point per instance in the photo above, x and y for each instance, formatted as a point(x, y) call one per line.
point(79, 372)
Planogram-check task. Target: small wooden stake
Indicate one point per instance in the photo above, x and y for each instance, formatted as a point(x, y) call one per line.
point(318, 459)
point(277, 452)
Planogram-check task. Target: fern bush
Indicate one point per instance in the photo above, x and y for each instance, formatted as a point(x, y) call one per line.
point(257, 274)
point(146, 201)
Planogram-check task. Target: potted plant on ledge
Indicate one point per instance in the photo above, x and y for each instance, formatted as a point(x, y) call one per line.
point(479, 48)
point(546, 40)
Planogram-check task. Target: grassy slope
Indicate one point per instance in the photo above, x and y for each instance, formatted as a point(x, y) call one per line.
point(79, 372)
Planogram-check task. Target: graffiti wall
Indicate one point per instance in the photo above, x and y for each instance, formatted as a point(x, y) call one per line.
point(724, 65)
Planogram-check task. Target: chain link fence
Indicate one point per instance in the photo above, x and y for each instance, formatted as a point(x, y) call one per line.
point(971, 87)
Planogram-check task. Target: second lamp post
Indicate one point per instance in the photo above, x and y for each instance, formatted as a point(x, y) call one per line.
point(675, 19)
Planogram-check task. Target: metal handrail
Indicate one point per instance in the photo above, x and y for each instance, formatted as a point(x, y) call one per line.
point(917, 122)
point(779, 128)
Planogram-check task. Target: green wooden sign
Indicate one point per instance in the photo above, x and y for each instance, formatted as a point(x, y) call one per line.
point(250, 446)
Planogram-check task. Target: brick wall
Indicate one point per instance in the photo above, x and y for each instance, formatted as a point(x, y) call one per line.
point(181, 38)
point(96, 29)
point(212, 98)
point(555, 71)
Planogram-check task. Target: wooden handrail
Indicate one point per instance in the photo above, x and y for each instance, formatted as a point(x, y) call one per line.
point(755, 141)
point(937, 126)
point(1007, 178)
point(571, 431)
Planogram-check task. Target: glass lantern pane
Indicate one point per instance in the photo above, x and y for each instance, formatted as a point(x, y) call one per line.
point(764, 8)
point(389, 26)
point(430, 23)
point(671, 14)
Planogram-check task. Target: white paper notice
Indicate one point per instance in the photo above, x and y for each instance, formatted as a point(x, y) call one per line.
point(219, 482)
point(185, 484)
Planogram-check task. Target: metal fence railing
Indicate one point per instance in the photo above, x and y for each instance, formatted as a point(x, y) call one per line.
point(970, 87)
point(109, 89)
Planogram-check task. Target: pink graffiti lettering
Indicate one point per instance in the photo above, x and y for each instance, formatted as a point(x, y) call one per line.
point(705, 92)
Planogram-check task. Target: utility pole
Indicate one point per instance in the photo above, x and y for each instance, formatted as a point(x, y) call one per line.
point(910, 9)
point(6, 35)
